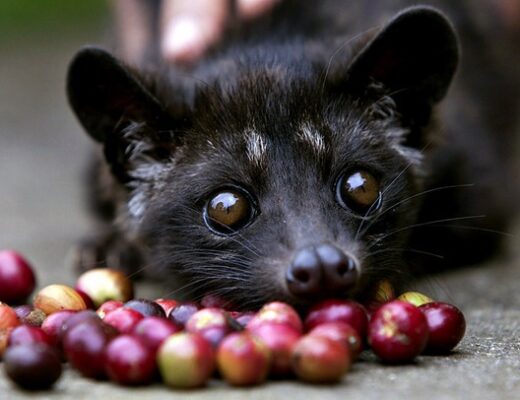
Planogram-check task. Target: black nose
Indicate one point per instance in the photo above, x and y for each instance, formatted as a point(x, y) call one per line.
point(322, 269)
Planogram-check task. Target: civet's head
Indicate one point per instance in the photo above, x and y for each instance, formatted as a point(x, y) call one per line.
point(275, 180)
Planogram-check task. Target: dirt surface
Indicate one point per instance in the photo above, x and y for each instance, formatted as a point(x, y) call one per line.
point(42, 153)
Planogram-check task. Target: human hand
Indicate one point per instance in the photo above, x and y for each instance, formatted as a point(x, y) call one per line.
point(190, 27)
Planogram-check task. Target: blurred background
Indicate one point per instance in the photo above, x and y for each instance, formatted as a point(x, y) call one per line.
point(42, 148)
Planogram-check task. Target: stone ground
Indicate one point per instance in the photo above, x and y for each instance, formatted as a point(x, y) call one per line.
point(42, 151)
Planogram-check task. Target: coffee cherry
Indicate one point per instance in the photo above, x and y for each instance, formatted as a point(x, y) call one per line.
point(341, 332)
point(277, 312)
point(107, 307)
point(347, 311)
point(280, 339)
point(211, 323)
point(186, 360)
point(17, 279)
point(33, 366)
point(129, 361)
point(54, 298)
point(166, 304)
point(8, 317)
point(28, 315)
point(84, 346)
point(123, 319)
point(146, 307)
point(243, 360)
point(398, 332)
point(78, 318)
point(23, 310)
point(319, 359)
point(415, 298)
point(153, 331)
point(53, 325)
point(25, 334)
point(242, 318)
point(446, 325)
point(182, 312)
point(103, 284)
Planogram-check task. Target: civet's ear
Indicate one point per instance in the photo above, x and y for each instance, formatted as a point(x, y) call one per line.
point(414, 57)
point(103, 93)
point(117, 110)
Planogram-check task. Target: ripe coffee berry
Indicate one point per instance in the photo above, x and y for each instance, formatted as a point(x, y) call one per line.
point(186, 360)
point(123, 319)
point(333, 310)
point(32, 366)
point(107, 307)
point(243, 318)
point(78, 318)
point(277, 312)
point(446, 325)
point(398, 332)
point(53, 325)
point(243, 360)
point(280, 339)
point(146, 307)
point(84, 346)
point(211, 323)
point(319, 359)
point(343, 333)
point(129, 361)
point(181, 313)
point(166, 304)
point(153, 331)
point(26, 334)
point(17, 280)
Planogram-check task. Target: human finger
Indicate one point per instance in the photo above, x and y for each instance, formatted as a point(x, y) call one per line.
point(190, 27)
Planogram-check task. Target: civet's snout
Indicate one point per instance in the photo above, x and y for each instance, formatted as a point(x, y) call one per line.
point(322, 269)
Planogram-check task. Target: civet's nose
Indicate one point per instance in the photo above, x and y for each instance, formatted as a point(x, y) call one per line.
point(322, 269)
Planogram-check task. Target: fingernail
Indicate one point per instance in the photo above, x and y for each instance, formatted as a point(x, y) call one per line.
point(183, 40)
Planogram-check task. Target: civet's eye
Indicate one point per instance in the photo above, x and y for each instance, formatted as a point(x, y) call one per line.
point(228, 211)
point(359, 191)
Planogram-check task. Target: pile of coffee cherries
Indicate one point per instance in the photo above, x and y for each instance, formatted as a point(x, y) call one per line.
point(104, 333)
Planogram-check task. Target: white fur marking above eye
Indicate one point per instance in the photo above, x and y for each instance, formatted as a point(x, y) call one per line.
point(137, 205)
point(313, 138)
point(256, 148)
